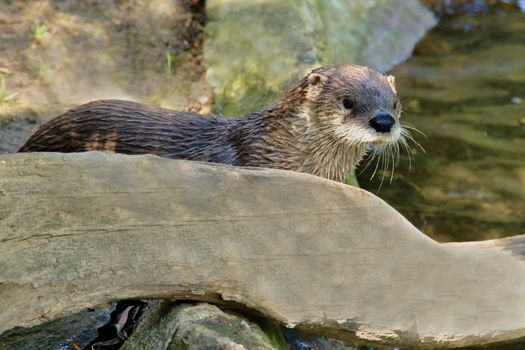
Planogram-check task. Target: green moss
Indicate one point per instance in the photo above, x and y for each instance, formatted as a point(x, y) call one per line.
point(204, 326)
point(252, 96)
point(272, 333)
point(255, 51)
point(178, 344)
point(246, 78)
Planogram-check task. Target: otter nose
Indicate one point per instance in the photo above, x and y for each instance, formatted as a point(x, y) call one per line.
point(382, 122)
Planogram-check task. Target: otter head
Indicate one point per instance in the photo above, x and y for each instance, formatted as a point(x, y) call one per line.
point(355, 104)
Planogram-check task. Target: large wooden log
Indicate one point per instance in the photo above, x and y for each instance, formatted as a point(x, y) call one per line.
point(79, 230)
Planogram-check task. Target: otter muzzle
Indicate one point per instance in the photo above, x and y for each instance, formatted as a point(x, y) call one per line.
point(382, 122)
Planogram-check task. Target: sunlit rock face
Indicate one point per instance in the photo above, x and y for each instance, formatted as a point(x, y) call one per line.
point(255, 50)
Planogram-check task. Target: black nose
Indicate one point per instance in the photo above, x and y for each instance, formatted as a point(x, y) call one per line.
point(382, 122)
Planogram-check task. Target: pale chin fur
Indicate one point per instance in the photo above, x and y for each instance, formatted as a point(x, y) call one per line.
point(364, 134)
point(385, 139)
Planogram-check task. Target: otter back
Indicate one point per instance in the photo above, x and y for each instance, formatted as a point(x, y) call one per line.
point(132, 128)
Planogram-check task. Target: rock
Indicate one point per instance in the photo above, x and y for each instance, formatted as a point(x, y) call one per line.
point(168, 325)
point(196, 327)
point(255, 50)
point(58, 334)
point(301, 341)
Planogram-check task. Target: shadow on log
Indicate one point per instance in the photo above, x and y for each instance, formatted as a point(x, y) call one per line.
point(79, 230)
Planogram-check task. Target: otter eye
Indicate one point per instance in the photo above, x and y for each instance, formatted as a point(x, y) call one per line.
point(348, 103)
point(396, 104)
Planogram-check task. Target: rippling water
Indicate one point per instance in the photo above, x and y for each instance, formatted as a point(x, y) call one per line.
point(464, 88)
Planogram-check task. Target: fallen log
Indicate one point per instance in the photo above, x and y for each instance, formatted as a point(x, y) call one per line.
point(80, 230)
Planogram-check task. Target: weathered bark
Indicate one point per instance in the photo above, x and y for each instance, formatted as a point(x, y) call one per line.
point(78, 230)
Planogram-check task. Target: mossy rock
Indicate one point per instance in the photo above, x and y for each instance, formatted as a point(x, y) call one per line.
point(79, 329)
point(254, 51)
point(203, 326)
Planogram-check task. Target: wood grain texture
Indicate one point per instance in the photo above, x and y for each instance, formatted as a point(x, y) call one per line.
point(79, 230)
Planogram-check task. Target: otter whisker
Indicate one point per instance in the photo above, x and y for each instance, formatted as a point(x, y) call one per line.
point(409, 137)
point(388, 157)
point(391, 157)
point(370, 157)
point(403, 142)
point(395, 159)
point(412, 127)
point(398, 153)
point(387, 163)
point(384, 165)
point(404, 100)
point(377, 165)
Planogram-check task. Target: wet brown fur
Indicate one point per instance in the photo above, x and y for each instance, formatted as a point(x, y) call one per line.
point(308, 130)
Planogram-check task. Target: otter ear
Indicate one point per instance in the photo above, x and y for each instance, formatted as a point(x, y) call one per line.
point(316, 79)
point(392, 82)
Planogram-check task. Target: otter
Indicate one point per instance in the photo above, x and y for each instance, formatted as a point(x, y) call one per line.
point(323, 126)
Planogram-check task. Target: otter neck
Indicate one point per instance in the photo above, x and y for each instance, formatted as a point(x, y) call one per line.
point(281, 137)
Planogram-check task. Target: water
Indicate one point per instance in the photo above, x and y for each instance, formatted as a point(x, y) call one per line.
point(464, 88)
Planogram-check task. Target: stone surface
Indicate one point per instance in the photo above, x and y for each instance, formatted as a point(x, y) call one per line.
point(256, 49)
point(79, 230)
point(197, 327)
point(58, 334)
point(298, 340)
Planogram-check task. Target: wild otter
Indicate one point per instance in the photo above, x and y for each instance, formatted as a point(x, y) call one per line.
point(323, 126)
